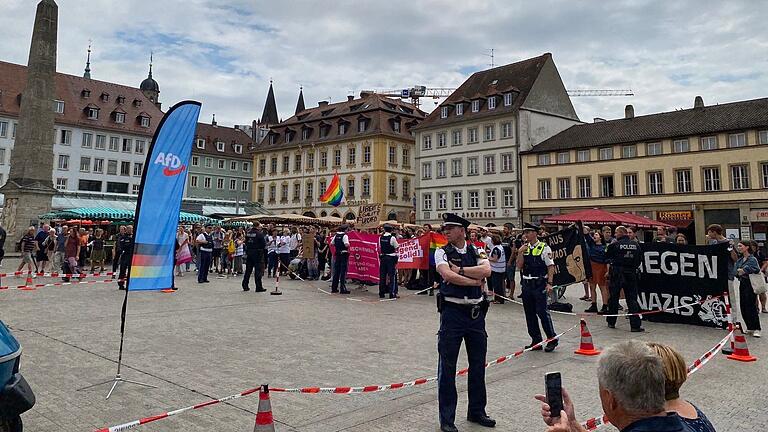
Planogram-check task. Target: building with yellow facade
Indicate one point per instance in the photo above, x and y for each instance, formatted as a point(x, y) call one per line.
point(689, 168)
point(366, 140)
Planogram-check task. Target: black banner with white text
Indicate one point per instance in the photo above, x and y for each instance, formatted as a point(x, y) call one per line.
point(569, 253)
point(673, 275)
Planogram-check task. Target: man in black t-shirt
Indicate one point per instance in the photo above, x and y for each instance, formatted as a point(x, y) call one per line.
point(3, 236)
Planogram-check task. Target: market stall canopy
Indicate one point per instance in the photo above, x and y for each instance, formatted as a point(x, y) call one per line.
point(280, 219)
point(600, 217)
point(113, 214)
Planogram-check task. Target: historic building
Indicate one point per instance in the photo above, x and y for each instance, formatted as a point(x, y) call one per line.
point(221, 167)
point(690, 168)
point(467, 157)
point(367, 141)
point(102, 131)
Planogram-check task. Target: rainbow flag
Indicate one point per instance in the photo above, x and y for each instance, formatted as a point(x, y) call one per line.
point(435, 241)
point(334, 194)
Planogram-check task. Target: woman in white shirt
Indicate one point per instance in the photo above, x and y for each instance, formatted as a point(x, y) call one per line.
point(271, 253)
point(498, 269)
point(284, 251)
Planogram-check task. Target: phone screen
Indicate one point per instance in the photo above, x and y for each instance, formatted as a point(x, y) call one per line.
point(554, 390)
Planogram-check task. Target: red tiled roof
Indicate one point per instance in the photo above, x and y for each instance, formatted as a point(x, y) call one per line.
point(229, 136)
point(69, 89)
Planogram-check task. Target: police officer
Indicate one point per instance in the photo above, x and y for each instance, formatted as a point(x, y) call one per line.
point(387, 263)
point(255, 245)
point(125, 245)
point(462, 308)
point(205, 247)
point(537, 271)
point(340, 260)
point(624, 257)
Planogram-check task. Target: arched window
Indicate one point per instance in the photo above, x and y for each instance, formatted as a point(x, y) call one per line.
point(392, 215)
point(323, 213)
point(349, 216)
point(309, 214)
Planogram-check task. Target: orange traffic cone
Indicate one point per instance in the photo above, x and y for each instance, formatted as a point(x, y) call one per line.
point(264, 420)
point(586, 347)
point(740, 350)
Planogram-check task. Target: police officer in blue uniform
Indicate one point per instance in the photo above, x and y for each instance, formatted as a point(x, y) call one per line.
point(387, 263)
point(255, 244)
point(462, 308)
point(205, 248)
point(125, 245)
point(340, 260)
point(537, 270)
point(624, 257)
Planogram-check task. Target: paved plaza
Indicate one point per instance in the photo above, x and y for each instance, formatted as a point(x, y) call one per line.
point(212, 340)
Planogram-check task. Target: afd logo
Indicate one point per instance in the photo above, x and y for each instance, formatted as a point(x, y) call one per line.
point(171, 164)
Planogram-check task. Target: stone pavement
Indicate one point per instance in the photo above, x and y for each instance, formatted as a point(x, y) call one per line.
point(214, 340)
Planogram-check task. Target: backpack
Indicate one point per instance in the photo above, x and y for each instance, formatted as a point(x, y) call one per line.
point(231, 247)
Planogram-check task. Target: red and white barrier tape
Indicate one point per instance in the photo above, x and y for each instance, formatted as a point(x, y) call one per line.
point(596, 422)
point(323, 390)
point(590, 314)
point(57, 274)
point(145, 420)
point(36, 286)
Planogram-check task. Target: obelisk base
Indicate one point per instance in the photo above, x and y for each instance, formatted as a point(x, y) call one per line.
point(23, 205)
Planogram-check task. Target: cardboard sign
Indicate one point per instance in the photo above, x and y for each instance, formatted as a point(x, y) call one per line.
point(368, 215)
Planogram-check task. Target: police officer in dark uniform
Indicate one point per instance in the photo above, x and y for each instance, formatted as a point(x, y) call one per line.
point(255, 245)
point(125, 245)
point(462, 308)
point(341, 260)
point(624, 257)
point(387, 263)
point(537, 270)
point(205, 248)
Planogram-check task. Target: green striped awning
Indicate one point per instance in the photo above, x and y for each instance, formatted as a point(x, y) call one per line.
point(115, 214)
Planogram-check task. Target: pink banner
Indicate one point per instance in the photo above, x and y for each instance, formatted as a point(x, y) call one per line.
point(363, 257)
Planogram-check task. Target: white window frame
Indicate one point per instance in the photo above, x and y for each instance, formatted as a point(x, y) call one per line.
point(657, 147)
point(138, 169)
point(507, 162)
point(564, 188)
point(459, 109)
point(508, 197)
point(193, 181)
point(681, 146)
point(490, 199)
point(628, 151)
point(585, 187)
point(583, 155)
point(762, 137)
point(506, 130)
point(440, 169)
point(507, 99)
point(444, 112)
point(545, 189)
point(61, 182)
point(87, 141)
point(708, 142)
point(740, 182)
point(456, 165)
point(492, 102)
point(98, 166)
point(712, 180)
point(472, 135)
point(119, 117)
point(85, 164)
point(426, 170)
point(563, 157)
point(458, 200)
point(232, 184)
point(426, 142)
point(473, 166)
point(655, 183)
point(58, 107)
point(442, 201)
point(144, 121)
point(604, 193)
point(456, 137)
point(219, 146)
point(683, 180)
point(426, 200)
point(543, 159)
point(489, 164)
point(200, 143)
point(737, 140)
point(606, 153)
point(476, 105)
point(473, 200)
point(63, 164)
point(630, 184)
point(489, 132)
point(220, 183)
point(442, 140)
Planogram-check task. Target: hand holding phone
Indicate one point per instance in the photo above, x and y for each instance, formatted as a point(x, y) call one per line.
point(554, 392)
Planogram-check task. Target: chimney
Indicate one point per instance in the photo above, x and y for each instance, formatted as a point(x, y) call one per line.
point(365, 93)
point(698, 102)
point(598, 120)
point(629, 112)
point(350, 97)
point(213, 122)
point(322, 103)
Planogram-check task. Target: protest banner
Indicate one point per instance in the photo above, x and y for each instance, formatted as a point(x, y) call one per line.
point(410, 253)
point(368, 216)
point(363, 257)
point(673, 275)
point(569, 253)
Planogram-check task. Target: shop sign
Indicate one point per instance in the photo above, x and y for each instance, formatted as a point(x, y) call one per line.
point(758, 216)
point(681, 215)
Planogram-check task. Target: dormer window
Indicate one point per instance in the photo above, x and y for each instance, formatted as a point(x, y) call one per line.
point(137, 102)
point(86, 93)
point(459, 109)
point(342, 128)
point(444, 112)
point(362, 125)
point(220, 146)
point(272, 139)
point(507, 99)
point(200, 143)
point(492, 102)
point(324, 128)
point(288, 136)
point(238, 148)
point(475, 105)
point(121, 100)
point(58, 107)
point(119, 117)
point(105, 97)
point(396, 125)
point(305, 133)
point(92, 113)
point(144, 121)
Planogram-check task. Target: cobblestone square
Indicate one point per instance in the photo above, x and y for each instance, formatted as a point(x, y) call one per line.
point(212, 340)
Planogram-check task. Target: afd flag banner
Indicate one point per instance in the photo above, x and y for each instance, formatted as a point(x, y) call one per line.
point(162, 187)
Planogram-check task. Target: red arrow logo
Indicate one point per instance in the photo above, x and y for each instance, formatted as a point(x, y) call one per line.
point(172, 172)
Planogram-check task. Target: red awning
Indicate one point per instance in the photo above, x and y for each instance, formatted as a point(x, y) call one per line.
point(601, 217)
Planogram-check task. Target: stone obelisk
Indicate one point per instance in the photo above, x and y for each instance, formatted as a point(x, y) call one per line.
point(29, 188)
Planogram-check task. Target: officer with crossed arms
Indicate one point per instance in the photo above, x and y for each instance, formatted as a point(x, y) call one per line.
point(462, 308)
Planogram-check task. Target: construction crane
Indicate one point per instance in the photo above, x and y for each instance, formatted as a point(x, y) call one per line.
point(415, 93)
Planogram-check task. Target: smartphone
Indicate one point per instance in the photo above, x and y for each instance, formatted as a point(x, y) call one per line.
point(553, 385)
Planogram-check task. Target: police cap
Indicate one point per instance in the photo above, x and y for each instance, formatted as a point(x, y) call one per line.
point(387, 227)
point(343, 227)
point(530, 227)
point(454, 219)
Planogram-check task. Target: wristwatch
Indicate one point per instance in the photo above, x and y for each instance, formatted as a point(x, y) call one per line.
point(461, 271)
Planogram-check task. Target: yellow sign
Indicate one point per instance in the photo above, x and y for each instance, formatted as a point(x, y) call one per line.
point(675, 215)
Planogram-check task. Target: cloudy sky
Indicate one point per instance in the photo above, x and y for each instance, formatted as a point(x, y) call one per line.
point(224, 52)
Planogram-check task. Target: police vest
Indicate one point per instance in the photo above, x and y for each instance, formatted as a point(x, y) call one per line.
point(208, 246)
point(338, 243)
point(468, 259)
point(626, 255)
point(533, 263)
point(252, 243)
point(126, 244)
point(385, 245)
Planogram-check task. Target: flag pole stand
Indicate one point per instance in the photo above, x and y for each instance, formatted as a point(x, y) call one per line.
point(118, 377)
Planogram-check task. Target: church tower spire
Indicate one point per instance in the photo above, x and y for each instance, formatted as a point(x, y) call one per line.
point(269, 116)
point(300, 103)
point(149, 86)
point(87, 73)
